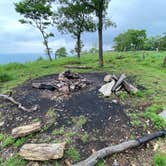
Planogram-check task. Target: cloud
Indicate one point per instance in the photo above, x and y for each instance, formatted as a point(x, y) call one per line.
point(137, 14)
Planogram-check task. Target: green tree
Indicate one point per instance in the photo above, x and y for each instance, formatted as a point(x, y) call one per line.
point(73, 17)
point(38, 14)
point(130, 40)
point(99, 8)
point(61, 52)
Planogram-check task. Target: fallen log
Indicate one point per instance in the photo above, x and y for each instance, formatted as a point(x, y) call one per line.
point(95, 157)
point(42, 152)
point(77, 67)
point(130, 88)
point(44, 86)
point(119, 82)
point(127, 86)
point(26, 130)
point(19, 105)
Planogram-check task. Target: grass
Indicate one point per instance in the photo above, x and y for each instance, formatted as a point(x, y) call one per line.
point(79, 121)
point(13, 161)
point(149, 73)
point(152, 114)
point(73, 154)
point(160, 159)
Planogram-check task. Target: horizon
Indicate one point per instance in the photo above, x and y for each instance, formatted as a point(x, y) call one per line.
point(132, 14)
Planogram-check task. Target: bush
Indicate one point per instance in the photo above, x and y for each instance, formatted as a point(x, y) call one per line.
point(15, 66)
point(5, 77)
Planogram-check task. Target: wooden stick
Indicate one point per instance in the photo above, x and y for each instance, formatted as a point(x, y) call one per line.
point(77, 67)
point(19, 105)
point(119, 82)
point(95, 157)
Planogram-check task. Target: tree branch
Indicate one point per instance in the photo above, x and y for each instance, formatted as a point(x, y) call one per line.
point(19, 105)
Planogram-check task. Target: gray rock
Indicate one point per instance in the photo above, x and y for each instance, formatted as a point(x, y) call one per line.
point(108, 78)
point(2, 123)
point(42, 152)
point(106, 89)
point(163, 114)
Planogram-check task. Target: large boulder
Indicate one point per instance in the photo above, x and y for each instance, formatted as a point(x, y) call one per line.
point(42, 152)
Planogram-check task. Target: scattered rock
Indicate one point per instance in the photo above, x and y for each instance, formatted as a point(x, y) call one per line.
point(2, 123)
point(42, 152)
point(108, 78)
point(25, 130)
point(163, 114)
point(106, 89)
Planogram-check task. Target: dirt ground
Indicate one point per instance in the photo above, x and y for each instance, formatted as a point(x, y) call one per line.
point(105, 120)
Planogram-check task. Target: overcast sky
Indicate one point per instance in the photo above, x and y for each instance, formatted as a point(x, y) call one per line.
point(137, 14)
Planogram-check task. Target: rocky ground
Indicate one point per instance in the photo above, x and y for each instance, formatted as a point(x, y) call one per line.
point(83, 119)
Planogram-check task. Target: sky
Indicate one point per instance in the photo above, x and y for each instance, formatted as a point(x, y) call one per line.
point(127, 14)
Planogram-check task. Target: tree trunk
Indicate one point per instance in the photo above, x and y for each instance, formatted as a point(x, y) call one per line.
point(78, 49)
point(46, 45)
point(100, 33)
point(47, 49)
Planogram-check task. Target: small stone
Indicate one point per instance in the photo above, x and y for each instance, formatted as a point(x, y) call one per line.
point(163, 114)
point(2, 123)
point(108, 78)
point(64, 89)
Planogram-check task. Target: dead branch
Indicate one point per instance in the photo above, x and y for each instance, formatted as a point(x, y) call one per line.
point(19, 105)
point(93, 159)
point(77, 67)
point(119, 82)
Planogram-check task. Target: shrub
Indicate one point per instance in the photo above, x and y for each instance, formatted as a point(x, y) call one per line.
point(5, 77)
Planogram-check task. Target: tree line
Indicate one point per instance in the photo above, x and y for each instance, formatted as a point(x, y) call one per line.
point(67, 16)
point(133, 40)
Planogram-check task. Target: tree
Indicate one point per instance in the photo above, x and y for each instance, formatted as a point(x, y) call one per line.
point(130, 40)
point(38, 14)
point(61, 52)
point(73, 17)
point(99, 8)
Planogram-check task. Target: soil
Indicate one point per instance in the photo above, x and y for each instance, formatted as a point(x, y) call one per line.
point(106, 123)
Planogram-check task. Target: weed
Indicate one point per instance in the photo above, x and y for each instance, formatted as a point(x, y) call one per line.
point(14, 161)
point(60, 131)
point(51, 113)
point(151, 113)
point(73, 154)
point(160, 159)
point(101, 163)
point(79, 121)
point(2, 137)
point(84, 138)
point(7, 141)
point(19, 142)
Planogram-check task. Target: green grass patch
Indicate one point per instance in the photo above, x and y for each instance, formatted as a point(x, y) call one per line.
point(5, 77)
point(152, 114)
point(13, 161)
point(159, 159)
point(73, 154)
